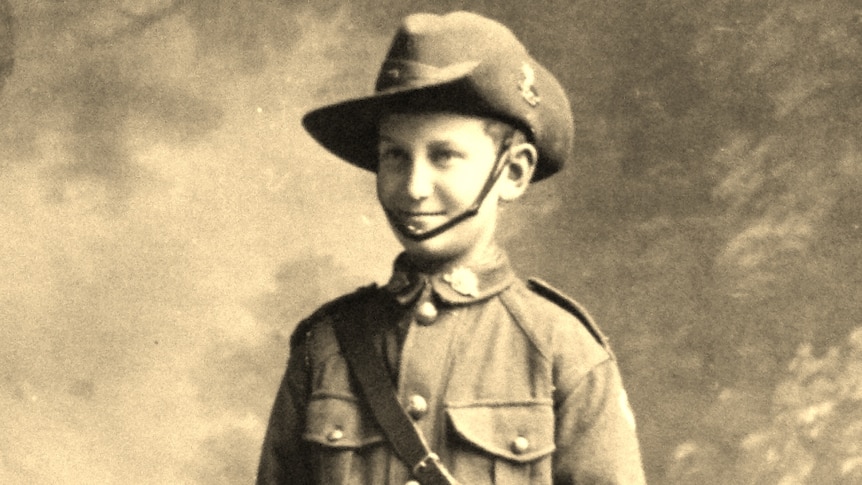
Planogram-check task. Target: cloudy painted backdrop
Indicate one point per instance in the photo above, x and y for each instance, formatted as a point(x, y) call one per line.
point(164, 222)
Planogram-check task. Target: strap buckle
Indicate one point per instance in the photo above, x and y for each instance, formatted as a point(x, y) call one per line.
point(423, 465)
point(431, 471)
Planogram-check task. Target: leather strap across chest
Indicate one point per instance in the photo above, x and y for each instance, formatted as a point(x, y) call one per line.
point(375, 384)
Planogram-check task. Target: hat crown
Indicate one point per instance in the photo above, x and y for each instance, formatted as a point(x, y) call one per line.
point(441, 41)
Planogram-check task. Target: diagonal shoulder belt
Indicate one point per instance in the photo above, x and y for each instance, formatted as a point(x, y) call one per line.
point(375, 383)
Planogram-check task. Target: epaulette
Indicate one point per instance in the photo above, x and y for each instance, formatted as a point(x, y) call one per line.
point(349, 300)
point(556, 296)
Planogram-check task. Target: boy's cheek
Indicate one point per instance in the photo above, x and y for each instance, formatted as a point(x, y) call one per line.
point(381, 190)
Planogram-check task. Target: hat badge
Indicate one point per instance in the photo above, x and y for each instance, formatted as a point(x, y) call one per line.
point(527, 85)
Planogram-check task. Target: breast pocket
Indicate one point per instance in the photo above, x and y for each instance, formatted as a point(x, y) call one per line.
point(344, 438)
point(502, 443)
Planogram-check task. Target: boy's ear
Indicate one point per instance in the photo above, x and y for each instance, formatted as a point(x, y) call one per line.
point(519, 171)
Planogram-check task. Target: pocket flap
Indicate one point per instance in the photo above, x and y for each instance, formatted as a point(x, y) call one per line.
point(519, 432)
point(338, 422)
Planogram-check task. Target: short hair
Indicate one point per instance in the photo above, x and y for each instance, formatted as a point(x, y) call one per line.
point(502, 132)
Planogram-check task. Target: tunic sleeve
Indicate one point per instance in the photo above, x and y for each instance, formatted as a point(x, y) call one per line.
point(596, 439)
point(282, 460)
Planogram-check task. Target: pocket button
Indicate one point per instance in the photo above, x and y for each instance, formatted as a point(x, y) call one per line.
point(520, 445)
point(335, 435)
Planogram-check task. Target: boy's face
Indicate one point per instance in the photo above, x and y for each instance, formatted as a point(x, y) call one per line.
point(432, 167)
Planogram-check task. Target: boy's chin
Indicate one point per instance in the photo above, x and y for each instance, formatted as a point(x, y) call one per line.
point(457, 244)
point(437, 249)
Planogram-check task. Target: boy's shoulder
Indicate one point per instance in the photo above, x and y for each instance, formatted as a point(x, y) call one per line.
point(554, 320)
point(345, 305)
point(569, 305)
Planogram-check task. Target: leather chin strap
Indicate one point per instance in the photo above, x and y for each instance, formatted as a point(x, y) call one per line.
point(502, 160)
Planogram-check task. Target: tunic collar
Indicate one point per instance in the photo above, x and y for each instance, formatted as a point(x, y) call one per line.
point(453, 284)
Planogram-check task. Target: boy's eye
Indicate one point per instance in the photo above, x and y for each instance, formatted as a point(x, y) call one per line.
point(444, 156)
point(392, 154)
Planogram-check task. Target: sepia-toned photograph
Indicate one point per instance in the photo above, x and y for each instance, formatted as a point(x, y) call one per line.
point(561, 242)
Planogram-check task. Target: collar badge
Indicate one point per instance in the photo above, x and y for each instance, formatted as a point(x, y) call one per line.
point(464, 281)
point(528, 85)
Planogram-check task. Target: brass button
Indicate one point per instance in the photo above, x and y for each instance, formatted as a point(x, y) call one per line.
point(417, 406)
point(426, 313)
point(335, 435)
point(520, 445)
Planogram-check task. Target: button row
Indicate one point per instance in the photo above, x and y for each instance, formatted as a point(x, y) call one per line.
point(426, 313)
point(417, 406)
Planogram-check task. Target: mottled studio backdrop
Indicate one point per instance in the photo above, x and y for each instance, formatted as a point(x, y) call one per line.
point(164, 222)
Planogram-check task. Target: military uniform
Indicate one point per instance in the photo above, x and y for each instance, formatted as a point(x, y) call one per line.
point(509, 382)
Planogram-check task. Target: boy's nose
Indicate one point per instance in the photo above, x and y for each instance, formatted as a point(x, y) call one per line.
point(420, 183)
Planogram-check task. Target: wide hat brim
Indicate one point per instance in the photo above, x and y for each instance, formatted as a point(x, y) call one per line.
point(348, 129)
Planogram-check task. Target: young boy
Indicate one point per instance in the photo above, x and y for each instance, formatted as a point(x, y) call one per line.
point(455, 371)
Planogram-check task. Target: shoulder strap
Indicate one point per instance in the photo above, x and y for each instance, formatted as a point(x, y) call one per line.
point(546, 290)
point(375, 383)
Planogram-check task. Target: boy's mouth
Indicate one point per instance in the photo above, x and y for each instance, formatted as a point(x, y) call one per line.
point(423, 225)
point(418, 222)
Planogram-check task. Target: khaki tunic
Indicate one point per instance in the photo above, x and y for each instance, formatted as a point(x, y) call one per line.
point(510, 383)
